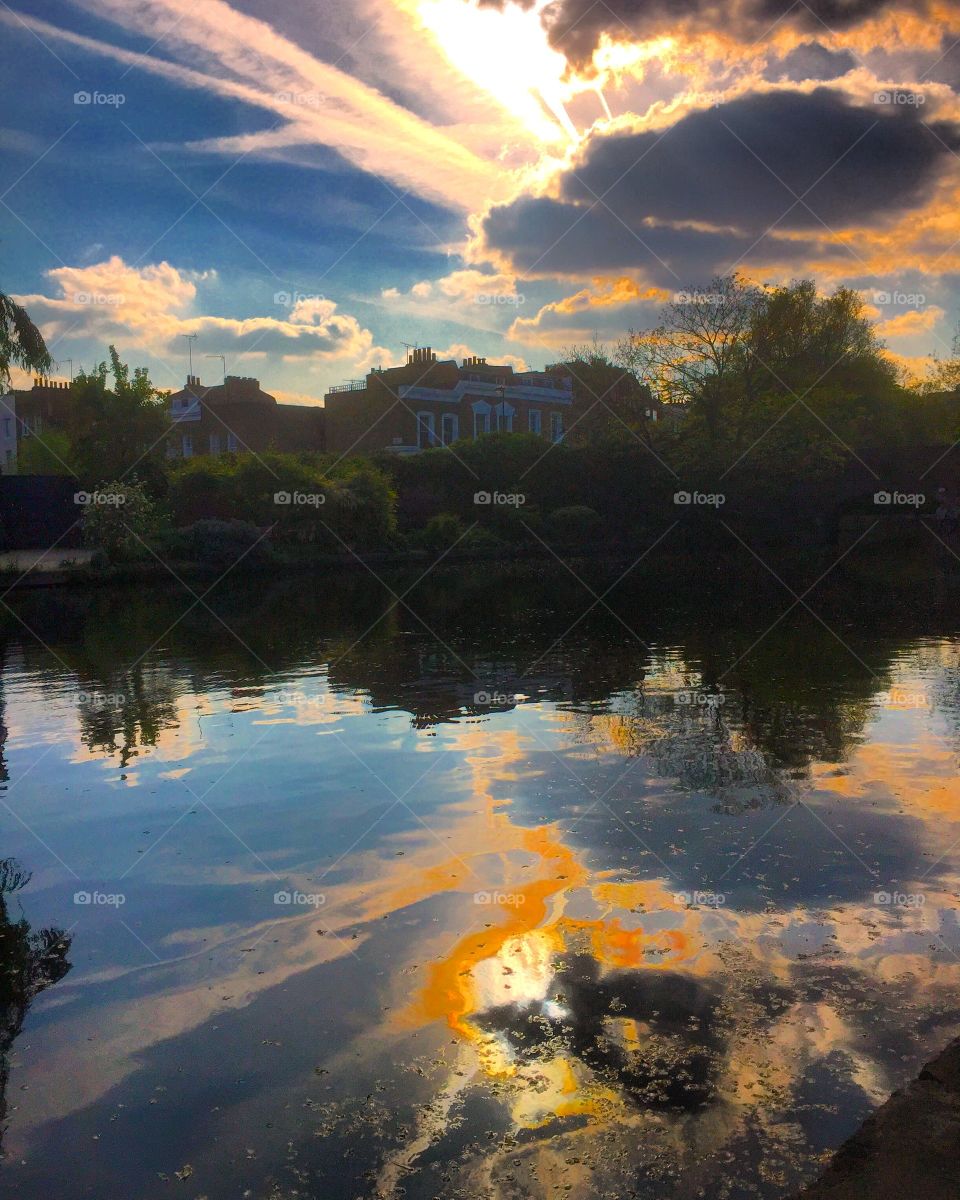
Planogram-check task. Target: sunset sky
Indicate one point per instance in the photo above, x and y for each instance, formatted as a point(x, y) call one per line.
point(306, 186)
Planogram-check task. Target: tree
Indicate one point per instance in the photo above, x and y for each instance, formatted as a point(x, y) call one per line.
point(51, 454)
point(21, 342)
point(119, 433)
point(693, 354)
point(610, 399)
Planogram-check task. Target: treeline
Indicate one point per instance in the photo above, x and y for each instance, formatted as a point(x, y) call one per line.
point(779, 409)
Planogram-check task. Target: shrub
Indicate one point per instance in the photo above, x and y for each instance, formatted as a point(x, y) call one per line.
point(219, 543)
point(119, 519)
point(578, 524)
point(442, 531)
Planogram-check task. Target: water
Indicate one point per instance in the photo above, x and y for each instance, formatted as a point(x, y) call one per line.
point(339, 896)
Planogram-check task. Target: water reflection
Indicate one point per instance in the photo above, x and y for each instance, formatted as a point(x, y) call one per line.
point(30, 961)
point(661, 915)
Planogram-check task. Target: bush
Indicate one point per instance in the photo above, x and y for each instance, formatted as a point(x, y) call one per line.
point(352, 504)
point(577, 524)
point(119, 519)
point(219, 543)
point(441, 532)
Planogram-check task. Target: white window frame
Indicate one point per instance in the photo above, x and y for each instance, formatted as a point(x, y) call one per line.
point(449, 428)
point(556, 427)
point(186, 445)
point(504, 412)
point(233, 445)
point(534, 421)
point(481, 418)
point(426, 430)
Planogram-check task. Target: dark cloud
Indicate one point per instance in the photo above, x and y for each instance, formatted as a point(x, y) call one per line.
point(576, 26)
point(811, 61)
point(550, 237)
point(739, 168)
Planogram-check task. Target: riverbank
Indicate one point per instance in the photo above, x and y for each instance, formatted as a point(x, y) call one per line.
point(919, 562)
point(908, 1147)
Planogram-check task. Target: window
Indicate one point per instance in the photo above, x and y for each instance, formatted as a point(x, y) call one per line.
point(186, 445)
point(533, 417)
point(449, 428)
point(556, 427)
point(214, 443)
point(505, 420)
point(426, 434)
point(232, 444)
point(481, 423)
point(7, 423)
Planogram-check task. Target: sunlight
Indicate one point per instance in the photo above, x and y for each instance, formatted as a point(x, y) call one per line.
point(507, 54)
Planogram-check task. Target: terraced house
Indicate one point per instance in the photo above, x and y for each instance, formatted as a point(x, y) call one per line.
point(429, 403)
point(236, 416)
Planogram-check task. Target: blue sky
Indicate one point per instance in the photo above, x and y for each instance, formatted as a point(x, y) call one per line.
point(306, 188)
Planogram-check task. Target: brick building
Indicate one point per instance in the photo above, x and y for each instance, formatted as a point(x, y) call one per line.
point(29, 412)
point(428, 403)
point(237, 415)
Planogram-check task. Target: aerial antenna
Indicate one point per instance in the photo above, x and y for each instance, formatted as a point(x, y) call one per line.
point(191, 338)
point(411, 345)
point(223, 360)
point(59, 364)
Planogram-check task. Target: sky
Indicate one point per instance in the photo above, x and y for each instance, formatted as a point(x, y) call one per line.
point(307, 186)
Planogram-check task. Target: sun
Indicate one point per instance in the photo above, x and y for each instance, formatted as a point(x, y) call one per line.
point(506, 52)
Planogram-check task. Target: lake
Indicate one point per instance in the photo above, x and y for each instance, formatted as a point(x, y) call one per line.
point(324, 887)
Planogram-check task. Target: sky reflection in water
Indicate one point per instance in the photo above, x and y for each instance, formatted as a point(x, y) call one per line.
point(630, 920)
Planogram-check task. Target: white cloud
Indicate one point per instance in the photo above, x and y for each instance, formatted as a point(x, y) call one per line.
point(150, 307)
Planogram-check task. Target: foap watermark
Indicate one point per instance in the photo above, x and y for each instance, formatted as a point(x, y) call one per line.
point(899, 499)
point(510, 499)
point(906, 299)
point(702, 499)
point(697, 297)
point(301, 99)
point(897, 98)
point(103, 499)
point(98, 299)
point(101, 699)
point(503, 899)
point(496, 299)
point(292, 299)
point(100, 899)
point(487, 699)
point(301, 899)
point(900, 899)
point(100, 99)
point(904, 698)
point(700, 899)
point(701, 699)
point(300, 499)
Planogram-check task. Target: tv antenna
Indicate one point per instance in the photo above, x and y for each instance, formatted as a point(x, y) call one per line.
point(191, 338)
point(223, 361)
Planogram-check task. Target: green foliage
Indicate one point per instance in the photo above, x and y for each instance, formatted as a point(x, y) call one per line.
point(346, 504)
point(215, 542)
point(49, 454)
point(578, 524)
point(120, 519)
point(21, 342)
point(442, 532)
point(119, 431)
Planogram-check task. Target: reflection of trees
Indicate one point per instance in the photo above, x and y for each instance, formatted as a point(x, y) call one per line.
point(793, 692)
point(126, 711)
point(29, 963)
